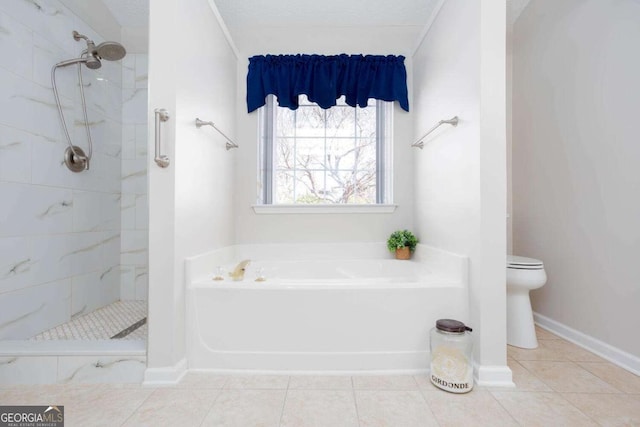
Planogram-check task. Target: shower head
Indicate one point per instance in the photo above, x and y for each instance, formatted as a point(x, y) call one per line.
point(92, 62)
point(89, 56)
point(111, 51)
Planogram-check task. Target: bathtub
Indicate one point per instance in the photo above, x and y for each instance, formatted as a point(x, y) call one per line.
point(320, 315)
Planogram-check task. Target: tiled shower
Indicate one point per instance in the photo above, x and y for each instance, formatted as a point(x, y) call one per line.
point(70, 243)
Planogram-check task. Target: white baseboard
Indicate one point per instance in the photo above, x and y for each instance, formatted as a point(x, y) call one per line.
point(165, 376)
point(493, 376)
point(613, 354)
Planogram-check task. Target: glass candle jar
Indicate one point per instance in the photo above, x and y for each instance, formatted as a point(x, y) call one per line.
point(451, 347)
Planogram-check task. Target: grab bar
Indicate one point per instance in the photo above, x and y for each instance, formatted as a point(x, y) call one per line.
point(452, 121)
point(230, 144)
point(161, 116)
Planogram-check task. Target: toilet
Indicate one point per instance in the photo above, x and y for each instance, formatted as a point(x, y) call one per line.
point(523, 275)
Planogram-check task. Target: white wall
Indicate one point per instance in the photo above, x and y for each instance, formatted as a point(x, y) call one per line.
point(575, 162)
point(460, 176)
point(59, 230)
point(192, 73)
point(254, 228)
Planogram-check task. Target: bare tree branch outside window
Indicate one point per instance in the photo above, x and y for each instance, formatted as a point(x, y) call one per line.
point(325, 156)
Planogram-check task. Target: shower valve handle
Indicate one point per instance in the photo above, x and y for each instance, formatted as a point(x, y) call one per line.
point(162, 115)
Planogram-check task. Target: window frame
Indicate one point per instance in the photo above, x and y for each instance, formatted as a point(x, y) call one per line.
point(384, 164)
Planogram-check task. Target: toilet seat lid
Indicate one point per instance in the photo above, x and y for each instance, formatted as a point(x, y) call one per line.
point(521, 262)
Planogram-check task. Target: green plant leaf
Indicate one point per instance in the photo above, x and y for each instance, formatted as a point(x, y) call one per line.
point(400, 239)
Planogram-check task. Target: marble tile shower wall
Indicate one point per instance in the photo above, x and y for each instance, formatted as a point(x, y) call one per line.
point(59, 231)
point(135, 222)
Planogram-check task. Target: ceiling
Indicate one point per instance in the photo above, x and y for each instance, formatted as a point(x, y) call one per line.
point(251, 13)
point(129, 13)
point(241, 15)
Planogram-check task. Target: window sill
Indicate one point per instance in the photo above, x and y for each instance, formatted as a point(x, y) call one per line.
point(323, 209)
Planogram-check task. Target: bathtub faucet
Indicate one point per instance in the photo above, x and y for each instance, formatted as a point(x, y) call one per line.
point(238, 273)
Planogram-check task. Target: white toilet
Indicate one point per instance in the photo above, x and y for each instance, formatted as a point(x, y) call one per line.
point(523, 275)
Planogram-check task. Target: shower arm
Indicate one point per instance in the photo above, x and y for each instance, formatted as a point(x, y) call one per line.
point(229, 145)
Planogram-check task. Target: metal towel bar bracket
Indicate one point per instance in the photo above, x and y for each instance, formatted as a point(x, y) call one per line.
point(420, 143)
point(230, 144)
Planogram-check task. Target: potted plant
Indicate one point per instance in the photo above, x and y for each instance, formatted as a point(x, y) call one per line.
point(403, 243)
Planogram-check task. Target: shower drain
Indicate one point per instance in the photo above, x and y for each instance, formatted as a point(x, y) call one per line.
point(126, 331)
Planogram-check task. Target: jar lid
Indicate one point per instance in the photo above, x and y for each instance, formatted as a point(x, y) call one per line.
point(450, 325)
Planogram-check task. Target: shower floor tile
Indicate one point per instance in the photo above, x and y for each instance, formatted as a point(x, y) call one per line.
point(102, 324)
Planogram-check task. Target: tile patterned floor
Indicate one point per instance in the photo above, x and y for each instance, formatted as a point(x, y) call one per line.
point(558, 384)
point(101, 324)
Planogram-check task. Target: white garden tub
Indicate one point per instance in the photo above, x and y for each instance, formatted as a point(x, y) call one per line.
point(320, 315)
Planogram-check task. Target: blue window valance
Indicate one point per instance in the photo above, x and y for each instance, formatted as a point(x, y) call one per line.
point(324, 79)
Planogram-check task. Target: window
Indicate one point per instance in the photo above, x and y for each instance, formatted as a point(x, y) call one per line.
point(340, 155)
